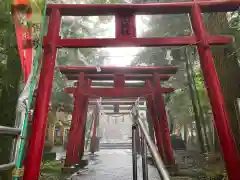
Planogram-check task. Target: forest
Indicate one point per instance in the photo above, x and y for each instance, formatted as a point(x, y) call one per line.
point(188, 107)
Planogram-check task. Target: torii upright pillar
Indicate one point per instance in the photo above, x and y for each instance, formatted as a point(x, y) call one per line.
point(156, 125)
point(36, 141)
point(78, 121)
point(82, 131)
point(162, 117)
point(221, 121)
point(82, 128)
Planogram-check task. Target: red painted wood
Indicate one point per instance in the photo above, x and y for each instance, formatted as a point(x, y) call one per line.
point(162, 117)
point(151, 108)
point(202, 40)
point(138, 42)
point(72, 153)
point(125, 26)
point(117, 92)
point(221, 121)
point(80, 137)
point(36, 141)
point(74, 76)
point(119, 70)
point(148, 8)
point(119, 81)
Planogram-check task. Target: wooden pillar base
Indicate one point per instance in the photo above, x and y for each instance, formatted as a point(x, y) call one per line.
point(72, 169)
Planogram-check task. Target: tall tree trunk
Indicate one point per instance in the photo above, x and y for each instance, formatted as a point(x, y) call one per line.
point(150, 126)
point(194, 105)
point(225, 59)
point(200, 109)
point(8, 101)
point(185, 132)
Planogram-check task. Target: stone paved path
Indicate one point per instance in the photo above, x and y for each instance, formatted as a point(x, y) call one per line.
point(113, 165)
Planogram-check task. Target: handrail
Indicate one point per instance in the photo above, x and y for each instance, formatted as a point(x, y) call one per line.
point(9, 131)
point(146, 140)
point(134, 151)
point(4, 167)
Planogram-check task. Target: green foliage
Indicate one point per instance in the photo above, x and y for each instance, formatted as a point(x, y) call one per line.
point(180, 107)
point(200, 86)
point(9, 61)
point(163, 26)
point(235, 20)
point(4, 38)
point(235, 27)
point(178, 25)
point(10, 76)
point(170, 26)
point(80, 27)
point(51, 170)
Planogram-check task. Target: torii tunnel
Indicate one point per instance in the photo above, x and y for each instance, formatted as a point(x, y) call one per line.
point(84, 90)
point(125, 36)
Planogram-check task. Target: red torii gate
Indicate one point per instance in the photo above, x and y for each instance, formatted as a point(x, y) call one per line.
point(126, 36)
point(119, 90)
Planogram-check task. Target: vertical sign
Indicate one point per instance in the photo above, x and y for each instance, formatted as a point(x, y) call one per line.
point(116, 108)
point(125, 26)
